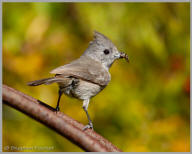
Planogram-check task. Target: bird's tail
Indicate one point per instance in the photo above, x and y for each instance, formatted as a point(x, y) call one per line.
point(45, 81)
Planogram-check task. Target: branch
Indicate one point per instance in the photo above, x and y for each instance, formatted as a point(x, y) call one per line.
point(88, 140)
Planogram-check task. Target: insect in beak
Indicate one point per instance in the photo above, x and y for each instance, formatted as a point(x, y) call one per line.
point(124, 55)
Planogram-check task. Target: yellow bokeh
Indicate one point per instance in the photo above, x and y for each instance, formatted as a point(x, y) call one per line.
point(145, 107)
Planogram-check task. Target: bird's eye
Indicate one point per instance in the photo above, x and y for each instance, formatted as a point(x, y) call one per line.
point(106, 51)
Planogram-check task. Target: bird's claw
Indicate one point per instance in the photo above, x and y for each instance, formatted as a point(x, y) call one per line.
point(57, 109)
point(90, 125)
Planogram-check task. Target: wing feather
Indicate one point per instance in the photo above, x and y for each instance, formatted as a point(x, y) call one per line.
point(85, 68)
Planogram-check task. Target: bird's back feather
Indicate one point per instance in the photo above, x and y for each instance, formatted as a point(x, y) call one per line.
point(86, 69)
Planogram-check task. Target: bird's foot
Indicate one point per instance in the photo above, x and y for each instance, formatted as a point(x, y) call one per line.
point(90, 125)
point(57, 109)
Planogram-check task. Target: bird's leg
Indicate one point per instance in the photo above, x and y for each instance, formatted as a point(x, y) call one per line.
point(85, 106)
point(57, 107)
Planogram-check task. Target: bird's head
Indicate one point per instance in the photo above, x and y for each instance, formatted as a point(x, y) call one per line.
point(103, 50)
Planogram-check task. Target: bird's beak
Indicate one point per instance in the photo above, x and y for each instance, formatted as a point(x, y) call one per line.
point(117, 55)
point(124, 55)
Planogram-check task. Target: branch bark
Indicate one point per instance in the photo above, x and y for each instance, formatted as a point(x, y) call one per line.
point(88, 140)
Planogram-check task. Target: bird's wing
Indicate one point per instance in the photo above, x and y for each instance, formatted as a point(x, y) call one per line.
point(86, 69)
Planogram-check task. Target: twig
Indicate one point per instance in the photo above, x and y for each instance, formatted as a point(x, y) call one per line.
point(59, 122)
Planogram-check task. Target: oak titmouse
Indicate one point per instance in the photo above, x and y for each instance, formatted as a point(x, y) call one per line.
point(86, 76)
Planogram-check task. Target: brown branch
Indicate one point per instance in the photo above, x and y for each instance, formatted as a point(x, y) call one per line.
point(88, 140)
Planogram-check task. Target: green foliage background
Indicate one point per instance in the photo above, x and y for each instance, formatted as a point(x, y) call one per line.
point(145, 107)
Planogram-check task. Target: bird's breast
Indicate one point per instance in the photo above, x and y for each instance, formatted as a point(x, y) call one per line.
point(83, 90)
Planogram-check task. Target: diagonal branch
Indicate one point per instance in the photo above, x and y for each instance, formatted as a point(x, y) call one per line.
point(88, 140)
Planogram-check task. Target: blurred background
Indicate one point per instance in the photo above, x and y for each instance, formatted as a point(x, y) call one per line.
point(145, 107)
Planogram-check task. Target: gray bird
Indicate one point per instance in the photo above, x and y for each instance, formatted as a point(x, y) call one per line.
point(86, 76)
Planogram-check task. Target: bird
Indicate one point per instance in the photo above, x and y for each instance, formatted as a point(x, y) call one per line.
point(85, 77)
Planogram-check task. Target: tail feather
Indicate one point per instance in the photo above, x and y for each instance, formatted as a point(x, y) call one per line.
point(45, 81)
